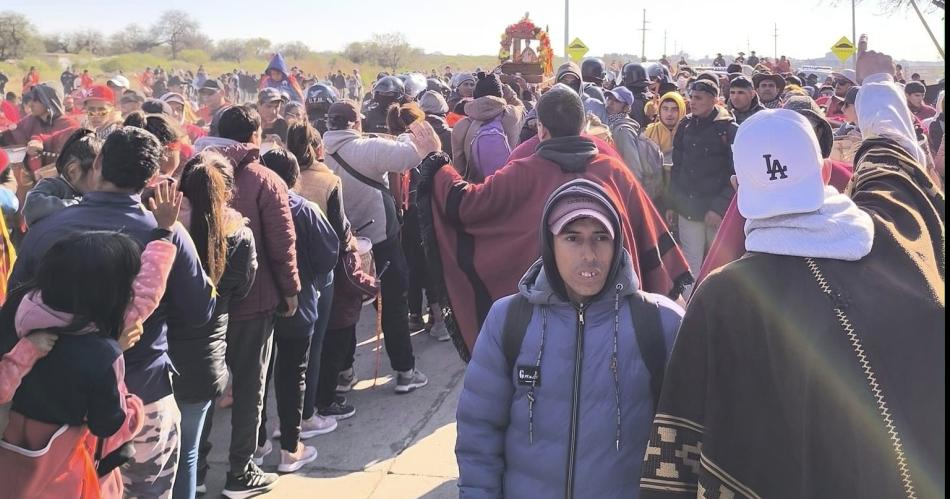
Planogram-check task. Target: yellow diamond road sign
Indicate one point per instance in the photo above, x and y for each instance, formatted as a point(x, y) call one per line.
point(843, 48)
point(576, 49)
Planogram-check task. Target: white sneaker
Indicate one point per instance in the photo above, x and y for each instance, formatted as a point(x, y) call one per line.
point(262, 452)
point(407, 381)
point(316, 425)
point(293, 461)
point(439, 332)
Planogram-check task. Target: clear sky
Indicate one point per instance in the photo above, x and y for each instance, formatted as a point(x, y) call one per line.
point(807, 28)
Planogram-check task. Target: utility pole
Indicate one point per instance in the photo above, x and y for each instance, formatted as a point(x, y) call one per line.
point(664, 43)
point(567, 24)
point(775, 43)
point(643, 42)
point(854, 32)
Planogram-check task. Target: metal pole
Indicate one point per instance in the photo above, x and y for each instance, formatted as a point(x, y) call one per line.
point(854, 32)
point(643, 43)
point(567, 25)
point(664, 42)
point(775, 44)
point(927, 27)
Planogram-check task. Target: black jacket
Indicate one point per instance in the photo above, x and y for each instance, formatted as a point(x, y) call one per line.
point(702, 164)
point(744, 115)
point(443, 130)
point(198, 352)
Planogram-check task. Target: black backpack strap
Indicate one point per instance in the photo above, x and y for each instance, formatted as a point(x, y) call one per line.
point(513, 332)
point(359, 176)
point(645, 313)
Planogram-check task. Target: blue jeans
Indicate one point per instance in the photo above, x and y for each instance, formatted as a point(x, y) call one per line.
point(316, 347)
point(192, 420)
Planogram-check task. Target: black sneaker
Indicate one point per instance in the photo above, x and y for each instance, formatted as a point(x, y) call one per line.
point(416, 323)
point(251, 483)
point(337, 411)
point(340, 399)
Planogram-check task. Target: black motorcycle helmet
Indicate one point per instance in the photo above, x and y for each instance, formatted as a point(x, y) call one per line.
point(318, 100)
point(593, 70)
point(658, 73)
point(438, 86)
point(634, 76)
point(389, 86)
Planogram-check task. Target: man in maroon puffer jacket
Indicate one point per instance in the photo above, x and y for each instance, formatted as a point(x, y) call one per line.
point(260, 196)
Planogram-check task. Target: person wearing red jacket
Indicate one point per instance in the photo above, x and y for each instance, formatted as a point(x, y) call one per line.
point(480, 238)
point(85, 80)
point(9, 108)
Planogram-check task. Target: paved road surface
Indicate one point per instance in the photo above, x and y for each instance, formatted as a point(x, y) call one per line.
point(397, 446)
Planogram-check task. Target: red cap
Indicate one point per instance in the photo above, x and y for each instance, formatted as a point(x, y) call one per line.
point(99, 92)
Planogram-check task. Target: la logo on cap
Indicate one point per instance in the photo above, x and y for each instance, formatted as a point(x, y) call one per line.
point(774, 168)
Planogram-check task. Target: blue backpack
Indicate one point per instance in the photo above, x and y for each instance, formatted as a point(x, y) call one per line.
point(490, 149)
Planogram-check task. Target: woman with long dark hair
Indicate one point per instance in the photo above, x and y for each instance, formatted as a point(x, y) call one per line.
point(225, 246)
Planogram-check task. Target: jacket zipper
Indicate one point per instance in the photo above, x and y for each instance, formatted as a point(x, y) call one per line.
point(575, 405)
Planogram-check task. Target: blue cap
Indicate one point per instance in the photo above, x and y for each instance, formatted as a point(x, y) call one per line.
point(622, 94)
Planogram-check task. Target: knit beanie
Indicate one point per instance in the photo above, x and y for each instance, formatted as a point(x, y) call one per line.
point(487, 84)
point(432, 102)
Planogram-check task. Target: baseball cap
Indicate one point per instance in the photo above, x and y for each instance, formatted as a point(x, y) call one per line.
point(847, 74)
point(210, 86)
point(175, 97)
point(346, 109)
point(740, 81)
point(119, 81)
point(174, 81)
point(622, 94)
point(270, 95)
point(573, 208)
point(704, 85)
point(778, 165)
point(99, 92)
point(156, 106)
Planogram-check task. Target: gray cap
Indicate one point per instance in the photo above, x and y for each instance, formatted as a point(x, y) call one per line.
point(432, 102)
point(269, 94)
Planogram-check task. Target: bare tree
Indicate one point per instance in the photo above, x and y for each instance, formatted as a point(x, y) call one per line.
point(358, 52)
point(57, 42)
point(177, 29)
point(391, 49)
point(295, 49)
point(17, 34)
point(133, 38)
point(230, 49)
point(89, 40)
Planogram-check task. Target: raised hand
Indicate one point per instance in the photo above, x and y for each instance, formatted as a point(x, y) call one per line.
point(871, 62)
point(165, 204)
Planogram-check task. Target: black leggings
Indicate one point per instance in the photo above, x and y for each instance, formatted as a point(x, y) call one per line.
point(288, 369)
point(338, 350)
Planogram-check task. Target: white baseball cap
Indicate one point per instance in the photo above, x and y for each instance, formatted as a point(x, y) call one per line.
point(778, 165)
point(119, 81)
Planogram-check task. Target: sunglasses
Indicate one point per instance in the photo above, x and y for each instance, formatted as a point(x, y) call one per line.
point(842, 82)
point(97, 111)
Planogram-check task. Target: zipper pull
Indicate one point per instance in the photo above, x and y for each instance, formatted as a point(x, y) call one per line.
point(580, 315)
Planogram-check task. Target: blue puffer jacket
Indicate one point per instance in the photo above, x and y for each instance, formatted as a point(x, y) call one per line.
point(496, 455)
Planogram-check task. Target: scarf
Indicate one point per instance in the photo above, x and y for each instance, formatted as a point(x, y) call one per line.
point(838, 230)
point(772, 104)
point(572, 153)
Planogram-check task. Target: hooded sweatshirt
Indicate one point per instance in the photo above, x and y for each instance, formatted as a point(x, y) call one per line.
point(481, 237)
point(287, 84)
point(591, 105)
point(511, 447)
point(31, 125)
point(754, 107)
point(659, 133)
point(375, 158)
point(478, 112)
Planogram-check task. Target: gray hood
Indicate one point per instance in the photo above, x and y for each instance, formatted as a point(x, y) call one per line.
point(334, 140)
point(542, 283)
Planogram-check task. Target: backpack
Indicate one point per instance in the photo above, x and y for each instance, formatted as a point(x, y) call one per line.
point(490, 148)
point(644, 311)
point(651, 165)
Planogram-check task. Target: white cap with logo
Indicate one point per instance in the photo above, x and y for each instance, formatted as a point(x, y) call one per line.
point(778, 165)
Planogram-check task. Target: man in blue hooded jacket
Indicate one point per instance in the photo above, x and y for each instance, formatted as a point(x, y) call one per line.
point(277, 76)
point(566, 410)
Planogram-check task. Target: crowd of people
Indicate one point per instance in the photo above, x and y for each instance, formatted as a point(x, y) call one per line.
point(704, 322)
